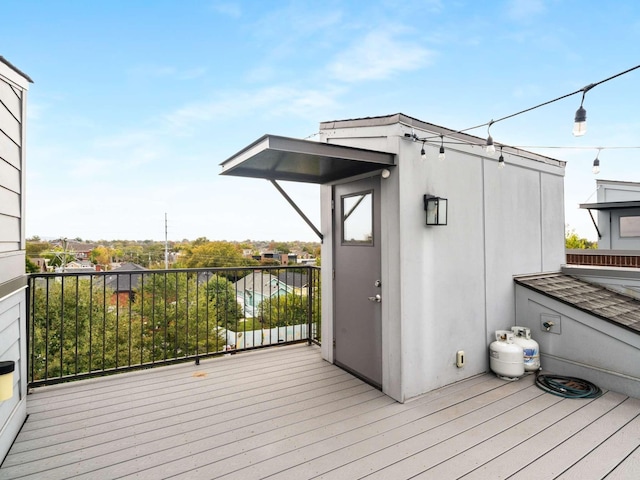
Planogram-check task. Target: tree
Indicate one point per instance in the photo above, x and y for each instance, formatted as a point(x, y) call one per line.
point(285, 310)
point(573, 241)
point(101, 255)
point(30, 267)
point(35, 248)
point(214, 254)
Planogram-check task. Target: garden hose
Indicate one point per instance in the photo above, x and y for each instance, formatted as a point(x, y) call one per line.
point(567, 387)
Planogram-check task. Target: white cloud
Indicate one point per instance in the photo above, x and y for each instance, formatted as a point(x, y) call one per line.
point(378, 56)
point(264, 102)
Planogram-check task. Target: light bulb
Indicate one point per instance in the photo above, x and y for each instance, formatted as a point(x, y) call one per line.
point(580, 122)
point(491, 148)
point(441, 155)
point(596, 167)
point(423, 154)
point(501, 162)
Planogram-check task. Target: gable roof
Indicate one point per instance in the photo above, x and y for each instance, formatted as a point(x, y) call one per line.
point(123, 281)
point(590, 298)
point(264, 284)
point(294, 279)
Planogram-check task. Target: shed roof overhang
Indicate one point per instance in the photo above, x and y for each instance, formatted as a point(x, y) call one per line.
point(281, 158)
point(610, 205)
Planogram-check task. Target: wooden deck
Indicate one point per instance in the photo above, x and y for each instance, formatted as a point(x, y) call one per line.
point(284, 413)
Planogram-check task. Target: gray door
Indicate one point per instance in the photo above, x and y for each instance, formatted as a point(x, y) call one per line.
point(357, 282)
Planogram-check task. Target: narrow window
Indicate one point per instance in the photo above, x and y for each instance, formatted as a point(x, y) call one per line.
point(357, 219)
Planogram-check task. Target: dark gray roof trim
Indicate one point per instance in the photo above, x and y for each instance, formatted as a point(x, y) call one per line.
point(610, 205)
point(587, 297)
point(15, 69)
point(281, 158)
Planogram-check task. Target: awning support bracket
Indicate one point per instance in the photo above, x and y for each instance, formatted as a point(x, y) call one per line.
point(297, 209)
point(594, 223)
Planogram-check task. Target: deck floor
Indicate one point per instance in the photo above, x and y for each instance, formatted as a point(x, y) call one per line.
point(284, 413)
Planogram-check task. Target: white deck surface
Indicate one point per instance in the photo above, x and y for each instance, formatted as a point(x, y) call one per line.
point(284, 413)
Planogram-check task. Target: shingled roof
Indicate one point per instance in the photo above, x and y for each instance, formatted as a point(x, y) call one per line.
point(588, 297)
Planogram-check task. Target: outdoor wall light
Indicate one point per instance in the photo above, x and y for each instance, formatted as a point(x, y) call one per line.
point(436, 208)
point(6, 380)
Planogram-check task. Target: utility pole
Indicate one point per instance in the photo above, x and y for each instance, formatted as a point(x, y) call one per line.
point(166, 244)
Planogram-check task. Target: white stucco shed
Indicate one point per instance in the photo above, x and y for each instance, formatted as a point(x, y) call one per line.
point(403, 302)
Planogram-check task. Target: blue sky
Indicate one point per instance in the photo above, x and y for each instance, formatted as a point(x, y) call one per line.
point(135, 103)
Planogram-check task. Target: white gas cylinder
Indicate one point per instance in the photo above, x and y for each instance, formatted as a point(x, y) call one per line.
point(530, 348)
point(505, 356)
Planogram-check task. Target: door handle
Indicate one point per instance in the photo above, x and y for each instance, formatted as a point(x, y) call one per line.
point(377, 298)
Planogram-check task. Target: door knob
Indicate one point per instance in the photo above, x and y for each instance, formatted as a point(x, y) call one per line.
point(376, 298)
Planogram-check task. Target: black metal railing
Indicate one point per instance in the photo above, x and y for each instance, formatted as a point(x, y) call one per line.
point(97, 323)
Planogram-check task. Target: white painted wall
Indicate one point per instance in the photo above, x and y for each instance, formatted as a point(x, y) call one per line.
point(580, 344)
point(448, 288)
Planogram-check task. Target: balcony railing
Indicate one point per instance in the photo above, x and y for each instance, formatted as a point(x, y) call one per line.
point(98, 323)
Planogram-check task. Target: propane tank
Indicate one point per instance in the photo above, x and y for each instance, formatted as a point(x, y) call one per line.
point(531, 350)
point(505, 356)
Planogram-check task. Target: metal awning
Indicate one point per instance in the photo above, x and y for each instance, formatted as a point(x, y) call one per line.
point(281, 158)
point(607, 206)
point(610, 205)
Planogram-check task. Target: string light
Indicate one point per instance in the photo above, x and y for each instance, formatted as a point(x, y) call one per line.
point(441, 155)
point(580, 122)
point(490, 147)
point(423, 154)
point(596, 164)
point(501, 160)
point(579, 129)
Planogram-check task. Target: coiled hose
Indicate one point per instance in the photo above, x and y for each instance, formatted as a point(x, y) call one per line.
point(567, 387)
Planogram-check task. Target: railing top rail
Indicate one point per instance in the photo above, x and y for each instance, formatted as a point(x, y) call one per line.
point(173, 270)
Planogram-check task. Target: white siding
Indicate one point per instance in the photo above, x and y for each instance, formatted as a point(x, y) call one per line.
point(13, 335)
point(13, 347)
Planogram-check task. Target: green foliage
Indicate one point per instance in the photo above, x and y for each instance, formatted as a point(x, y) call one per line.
point(285, 310)
point(214, 254)
point(57, 257)
point(573, 241)
point(30, 267)
point(36, 248)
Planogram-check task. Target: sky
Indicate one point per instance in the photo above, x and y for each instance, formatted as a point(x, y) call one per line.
point(136, 103)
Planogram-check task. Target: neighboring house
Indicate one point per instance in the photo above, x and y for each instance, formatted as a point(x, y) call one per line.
point(124, 282)
point(252, 289)
point(618, 215)
point(13, 281)
point(41, 262)
point(77, 266)
point(299, 281)
point(80, 250)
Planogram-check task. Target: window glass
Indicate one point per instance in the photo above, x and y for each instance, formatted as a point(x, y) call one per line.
point(357, 219)
point(630, 226)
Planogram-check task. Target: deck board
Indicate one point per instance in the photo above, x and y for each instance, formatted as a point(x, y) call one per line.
point(284, 413)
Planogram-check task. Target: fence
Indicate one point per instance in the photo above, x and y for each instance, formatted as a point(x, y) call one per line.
point(99, 323)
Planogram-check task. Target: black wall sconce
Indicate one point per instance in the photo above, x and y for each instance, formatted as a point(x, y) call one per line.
point(436, 208)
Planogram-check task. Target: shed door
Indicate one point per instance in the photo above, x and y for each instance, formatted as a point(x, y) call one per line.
point(357, 282)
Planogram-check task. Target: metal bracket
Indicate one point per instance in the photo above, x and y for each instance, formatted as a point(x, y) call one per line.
point(297, 209)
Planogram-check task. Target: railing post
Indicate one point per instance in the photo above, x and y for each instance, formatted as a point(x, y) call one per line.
point(310, 305)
